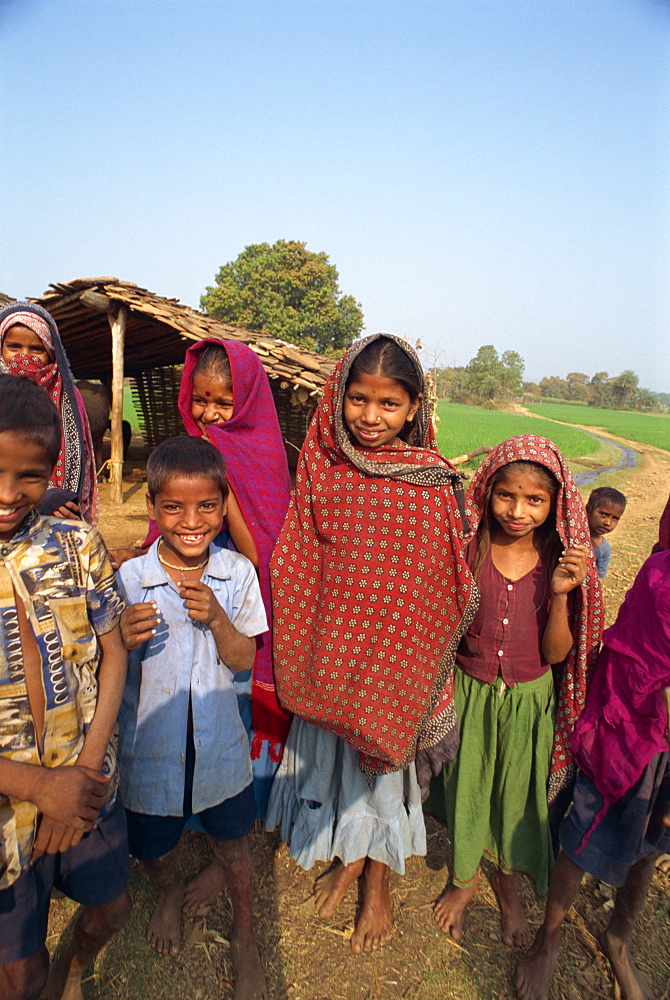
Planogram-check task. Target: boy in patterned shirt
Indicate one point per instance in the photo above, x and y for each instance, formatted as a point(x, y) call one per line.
point(62, 671)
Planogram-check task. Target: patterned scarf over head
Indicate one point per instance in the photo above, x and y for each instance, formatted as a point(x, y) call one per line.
point(252, 446)
point(371, 591)
point(586, 607)
point(75, 467)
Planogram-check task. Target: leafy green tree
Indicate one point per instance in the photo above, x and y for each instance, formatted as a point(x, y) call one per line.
point(601, 389)
point(485, 373)
point(554, 387)
point(288, 292)
point(452, 384)
point(645, 399)
point(624, 386)
point(578, 384)
point(512, 374)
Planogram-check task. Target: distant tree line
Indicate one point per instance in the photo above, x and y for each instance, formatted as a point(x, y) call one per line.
point(491, 378)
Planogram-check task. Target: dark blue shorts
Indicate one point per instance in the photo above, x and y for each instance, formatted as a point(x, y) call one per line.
point(152, 837)
point(630, 830)
point(93, 873)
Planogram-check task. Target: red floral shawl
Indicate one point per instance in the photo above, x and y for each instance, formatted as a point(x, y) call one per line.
point(75, 466)
point(586, 606)
point(252, 446)
point(371, 592)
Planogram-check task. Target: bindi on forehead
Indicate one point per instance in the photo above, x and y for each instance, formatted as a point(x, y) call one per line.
point(208, 394)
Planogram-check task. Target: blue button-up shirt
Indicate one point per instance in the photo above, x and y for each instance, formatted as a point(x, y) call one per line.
point(180, 663)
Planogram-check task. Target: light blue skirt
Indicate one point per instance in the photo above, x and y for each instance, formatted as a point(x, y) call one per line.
point(326, 808)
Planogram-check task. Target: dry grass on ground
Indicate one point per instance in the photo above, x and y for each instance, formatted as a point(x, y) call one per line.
point(307, 959)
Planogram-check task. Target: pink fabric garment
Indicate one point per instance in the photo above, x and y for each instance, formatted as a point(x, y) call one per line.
point(625, 720)
point(663, 530)
point(252, 446)
point(75, 467)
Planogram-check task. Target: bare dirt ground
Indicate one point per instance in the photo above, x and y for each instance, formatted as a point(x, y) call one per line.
point(307, 959)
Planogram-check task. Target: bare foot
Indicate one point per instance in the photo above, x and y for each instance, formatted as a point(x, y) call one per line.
point(515, 929)
point(375, 920)
point(537, 968)
point(164, 930)
point(449, 910)
point(249, 977)
point(330, 887)
point(663, 863)
point(205, 887)
point(633, 984)
point(63, 983)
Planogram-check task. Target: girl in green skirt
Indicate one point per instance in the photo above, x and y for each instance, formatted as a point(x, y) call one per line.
point(540, 609)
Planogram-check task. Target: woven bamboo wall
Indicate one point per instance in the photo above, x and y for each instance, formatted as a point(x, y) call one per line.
point(156, 391)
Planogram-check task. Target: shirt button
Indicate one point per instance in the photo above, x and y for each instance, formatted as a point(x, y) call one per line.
point(505, 621)
point(500, 652)
point(509, 586)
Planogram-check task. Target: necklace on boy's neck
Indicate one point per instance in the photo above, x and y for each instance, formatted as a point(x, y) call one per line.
point(184, 569)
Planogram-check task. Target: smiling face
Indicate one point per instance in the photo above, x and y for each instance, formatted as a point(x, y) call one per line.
point(21, 339)
point(189, 512)
point(604, 518)
point(211, 402)
point(520, 503)
point(25, 468)
point(376, 409)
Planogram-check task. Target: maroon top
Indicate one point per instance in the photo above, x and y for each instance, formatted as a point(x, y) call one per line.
point(505, 637)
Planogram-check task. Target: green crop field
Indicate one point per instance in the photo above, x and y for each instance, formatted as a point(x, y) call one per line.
point(648, 428)
point(463, 428)
point(129, 413)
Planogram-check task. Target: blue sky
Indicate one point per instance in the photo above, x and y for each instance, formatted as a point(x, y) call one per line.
point(479, 172)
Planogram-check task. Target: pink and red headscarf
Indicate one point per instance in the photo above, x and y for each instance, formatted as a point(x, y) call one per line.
point(75, 466)
point(587, 613)
point(252, 446)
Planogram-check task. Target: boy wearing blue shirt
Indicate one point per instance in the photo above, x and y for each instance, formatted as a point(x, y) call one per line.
point(183, 749)
point(604, 510)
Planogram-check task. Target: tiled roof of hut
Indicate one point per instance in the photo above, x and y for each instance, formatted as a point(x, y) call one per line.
point(156, 328)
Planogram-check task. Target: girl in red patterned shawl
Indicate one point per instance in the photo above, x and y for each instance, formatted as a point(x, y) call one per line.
point(371, 597)
point(540, 609)
point(30, 345)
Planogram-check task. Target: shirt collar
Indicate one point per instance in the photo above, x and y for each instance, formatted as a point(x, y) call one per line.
point(154, 573)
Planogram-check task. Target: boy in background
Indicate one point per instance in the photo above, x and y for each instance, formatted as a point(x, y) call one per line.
point(183, 748)
point(604, 509)
point(62, 670)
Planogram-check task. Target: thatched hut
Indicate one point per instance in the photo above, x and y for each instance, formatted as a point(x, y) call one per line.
point(155, 332)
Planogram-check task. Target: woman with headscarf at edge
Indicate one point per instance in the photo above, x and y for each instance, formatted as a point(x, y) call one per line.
point(30, 345)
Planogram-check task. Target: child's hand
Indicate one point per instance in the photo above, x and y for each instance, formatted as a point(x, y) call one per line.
point(69, 510)
point(138, 624)
point(54, 837)
point(70, 799)
point(200, 602)
point(119, 556)
point(571, 569)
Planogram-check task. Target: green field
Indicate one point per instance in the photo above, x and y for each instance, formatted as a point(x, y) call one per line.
point(648, 428)
point(463, 428)
point(129, 413)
